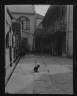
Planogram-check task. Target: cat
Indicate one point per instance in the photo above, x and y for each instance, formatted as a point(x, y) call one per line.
point(36, 68)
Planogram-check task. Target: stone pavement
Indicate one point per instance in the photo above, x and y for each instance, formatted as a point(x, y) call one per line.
point(53, 77)
point(8, 69)
point(7, 59)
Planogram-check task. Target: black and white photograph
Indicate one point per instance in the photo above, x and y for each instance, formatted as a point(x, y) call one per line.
point(38, 49)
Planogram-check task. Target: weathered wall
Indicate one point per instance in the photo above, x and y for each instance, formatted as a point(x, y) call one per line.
point(32, 27)
point(7, 21)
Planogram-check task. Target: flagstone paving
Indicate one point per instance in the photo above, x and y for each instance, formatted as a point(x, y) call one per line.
point(52, 78)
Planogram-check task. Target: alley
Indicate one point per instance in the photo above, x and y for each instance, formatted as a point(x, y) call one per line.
point(39, 37)
point(55, 75)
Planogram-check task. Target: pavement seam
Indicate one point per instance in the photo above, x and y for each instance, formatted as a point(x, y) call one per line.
point(50, 73)
point(34, 79)
point(42, 80)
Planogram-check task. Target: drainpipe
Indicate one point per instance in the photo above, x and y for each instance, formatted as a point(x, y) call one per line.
point(68, 30)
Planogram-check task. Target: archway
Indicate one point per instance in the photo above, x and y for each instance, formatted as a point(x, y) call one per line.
point(25, 21)
point(25, 28)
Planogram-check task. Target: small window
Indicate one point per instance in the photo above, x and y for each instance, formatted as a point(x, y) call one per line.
point(25, 25)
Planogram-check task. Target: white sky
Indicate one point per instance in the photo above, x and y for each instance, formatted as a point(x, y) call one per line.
point(41, 9)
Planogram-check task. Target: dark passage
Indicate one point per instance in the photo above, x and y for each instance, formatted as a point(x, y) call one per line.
point(53, 45)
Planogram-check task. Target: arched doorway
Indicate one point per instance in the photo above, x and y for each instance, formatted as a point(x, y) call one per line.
point(25, 22)
point(25, 28)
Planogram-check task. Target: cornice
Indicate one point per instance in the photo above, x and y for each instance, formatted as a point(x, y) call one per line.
point(23, 13)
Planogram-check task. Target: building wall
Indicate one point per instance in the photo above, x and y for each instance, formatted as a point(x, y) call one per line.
point(7, 25)
point(69, 32)
point(10, 40)
point(68, 20)
point(32, 27)
point(38, 21)
point(7, 21)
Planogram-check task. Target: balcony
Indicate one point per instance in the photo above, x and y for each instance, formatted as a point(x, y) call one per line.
point(60, 26)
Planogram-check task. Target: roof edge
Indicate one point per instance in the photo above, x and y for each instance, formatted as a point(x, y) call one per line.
point(8, 11)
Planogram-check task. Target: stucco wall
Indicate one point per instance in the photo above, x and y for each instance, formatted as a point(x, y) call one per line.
point(31, 17)
point(38, 21)
point(30, 39)
point(32, 27)
point(7, 17)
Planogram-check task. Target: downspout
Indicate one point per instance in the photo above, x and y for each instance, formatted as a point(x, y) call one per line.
point(34, 27)
point(68, 31)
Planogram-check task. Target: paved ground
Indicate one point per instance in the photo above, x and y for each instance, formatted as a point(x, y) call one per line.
point(55, 76)
point(7, 59)
point(8, 69)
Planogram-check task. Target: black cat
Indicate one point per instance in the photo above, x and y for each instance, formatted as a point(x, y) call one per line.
point(36, 68)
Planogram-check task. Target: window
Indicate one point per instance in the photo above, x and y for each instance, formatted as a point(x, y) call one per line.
point(25, 22)
point(27, 25)
point(23, 25)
